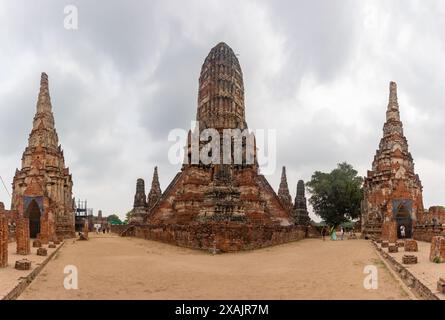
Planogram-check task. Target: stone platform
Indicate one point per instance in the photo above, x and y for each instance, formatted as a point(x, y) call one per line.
point(12, 281)
point(421, 277)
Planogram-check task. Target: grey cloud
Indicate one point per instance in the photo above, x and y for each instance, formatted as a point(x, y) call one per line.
point(130, 73)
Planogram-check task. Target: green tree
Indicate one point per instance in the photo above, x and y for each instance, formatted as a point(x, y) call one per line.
point(114, 219)
point(336, 196)
point(128, 216)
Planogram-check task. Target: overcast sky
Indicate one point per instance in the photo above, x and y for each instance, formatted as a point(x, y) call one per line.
point(316, 71)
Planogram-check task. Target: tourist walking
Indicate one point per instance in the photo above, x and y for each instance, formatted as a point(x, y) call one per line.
point(323, 233)
point(402, 231)
point(333, 233)
point(342, 233)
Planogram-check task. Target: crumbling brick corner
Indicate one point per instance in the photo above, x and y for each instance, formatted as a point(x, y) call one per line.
point(3, 237)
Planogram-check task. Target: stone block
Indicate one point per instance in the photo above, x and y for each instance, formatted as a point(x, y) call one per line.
point(411, 246)
point(52, 246)
point(409, 259)
point(385, 244)
point(23, 264)
point(437, 251)
point(393, 249)
point(42, 252)
point(37, 243)
point(400, 244)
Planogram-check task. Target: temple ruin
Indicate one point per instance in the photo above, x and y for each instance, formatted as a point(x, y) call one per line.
point(42, 188)
point(392, 190)
point(142, 205)
point(299, 211)
point(228, 206)
point(283, 191)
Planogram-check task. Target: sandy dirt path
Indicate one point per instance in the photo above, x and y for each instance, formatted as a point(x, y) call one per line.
point(111, 267)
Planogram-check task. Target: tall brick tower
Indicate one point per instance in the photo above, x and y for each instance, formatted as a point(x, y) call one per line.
point(300, 213)
point(392, 190)
point(220, 192)
point(155, 191)
point(42, 188)
point(283, 191)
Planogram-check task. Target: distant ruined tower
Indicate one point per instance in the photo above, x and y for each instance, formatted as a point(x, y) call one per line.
point(392, 190)
point(140, 204)
point(155, 192)
point(42, 188)
point(300, 212)
point(283, 191)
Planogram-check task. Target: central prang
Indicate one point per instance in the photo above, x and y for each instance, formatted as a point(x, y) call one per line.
point(224, 203)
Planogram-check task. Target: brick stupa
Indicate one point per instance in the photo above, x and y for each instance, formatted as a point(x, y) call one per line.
point(223, 193)
point(42, 188)
point(392, 190)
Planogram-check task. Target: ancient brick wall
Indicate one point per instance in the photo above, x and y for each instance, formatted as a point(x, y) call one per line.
point(22, 237)
point(434, 215)
point(3, 238)
point(227, 238)
point(118, 229)
point(427, 232)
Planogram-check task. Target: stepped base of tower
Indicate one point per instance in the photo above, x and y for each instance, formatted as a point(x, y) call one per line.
point(225, 208)
point(220, 237)
point(220, 194)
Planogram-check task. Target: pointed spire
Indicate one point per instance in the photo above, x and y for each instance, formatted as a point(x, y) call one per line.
point(155, 191)
point(300, 188)
point(43, 130)
point(392, 112)
point(393, 93)
point(283, 191)
point(301, 215)
point(44, 100)
point(139, 197)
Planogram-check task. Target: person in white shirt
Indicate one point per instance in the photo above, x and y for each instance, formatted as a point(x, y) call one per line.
point(402, 231)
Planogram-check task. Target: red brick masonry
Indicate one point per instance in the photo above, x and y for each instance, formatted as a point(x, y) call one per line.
point(226, 238)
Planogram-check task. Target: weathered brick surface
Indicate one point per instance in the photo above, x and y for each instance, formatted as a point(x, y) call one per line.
point(23, 264)
point(36, 243)
point(42, 252)
point(411, 245)
point(435, 216)
point(4, 238)
point(409, 259)
point(226, 238)
point(22, 234)
point(437, 252)
point(393, 249)
point(427, 232)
